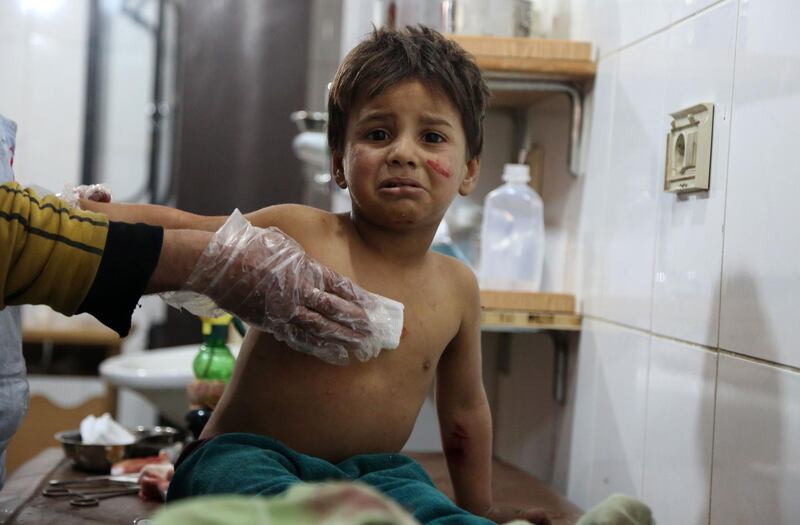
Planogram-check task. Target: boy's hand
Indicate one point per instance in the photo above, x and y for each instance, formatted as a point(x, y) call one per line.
point(506, 513)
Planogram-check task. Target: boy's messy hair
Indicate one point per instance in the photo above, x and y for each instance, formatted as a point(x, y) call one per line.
point(391, 56)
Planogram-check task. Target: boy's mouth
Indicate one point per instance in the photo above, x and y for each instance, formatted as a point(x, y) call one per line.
point(399, 182)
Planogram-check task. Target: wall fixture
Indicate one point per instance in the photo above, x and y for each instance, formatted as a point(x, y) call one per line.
point(688, 161)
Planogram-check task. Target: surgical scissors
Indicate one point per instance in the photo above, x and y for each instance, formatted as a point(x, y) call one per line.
point(95, 480)
point(92, 496)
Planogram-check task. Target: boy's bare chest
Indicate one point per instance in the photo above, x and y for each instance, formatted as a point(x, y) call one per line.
point(431, 317)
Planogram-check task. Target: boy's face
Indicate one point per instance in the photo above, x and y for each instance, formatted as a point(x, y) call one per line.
point(405, 156)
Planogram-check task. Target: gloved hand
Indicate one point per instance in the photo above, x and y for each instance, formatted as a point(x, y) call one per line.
point(95, 192)
point(265, 277)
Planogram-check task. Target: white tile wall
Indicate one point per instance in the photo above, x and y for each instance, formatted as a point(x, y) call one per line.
point(689, 251)
point(679, 435)
point(43, 86)
point(579, 473)
point(704, 438)
point(608, 427)
point(612, 24)
point(761, 283)
point(756, 446)
point(685, 8)
point(592, 213)
point(637, 153)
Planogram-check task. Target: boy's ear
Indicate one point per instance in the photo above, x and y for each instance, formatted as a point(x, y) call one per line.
point(471, 178)
point(337, 166)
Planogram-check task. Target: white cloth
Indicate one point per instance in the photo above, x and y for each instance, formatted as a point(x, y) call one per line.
point(13, 385)
point(104, 430)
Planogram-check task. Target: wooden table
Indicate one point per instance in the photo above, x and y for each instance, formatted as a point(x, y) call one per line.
point(23, 503)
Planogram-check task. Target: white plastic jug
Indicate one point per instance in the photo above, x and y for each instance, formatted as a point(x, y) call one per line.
point(512, 234)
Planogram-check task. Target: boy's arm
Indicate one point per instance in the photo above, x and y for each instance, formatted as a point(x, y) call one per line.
point(284, 216)
point(155, 215)
point(465, 419)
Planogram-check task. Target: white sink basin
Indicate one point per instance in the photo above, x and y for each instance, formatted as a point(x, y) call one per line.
point(159, 375)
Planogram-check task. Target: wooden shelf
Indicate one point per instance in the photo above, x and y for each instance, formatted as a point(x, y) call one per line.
point(521, 71)
point(536, 58)
point(527, 312)
point(511, 321)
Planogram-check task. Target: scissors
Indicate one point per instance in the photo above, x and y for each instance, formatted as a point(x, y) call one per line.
point(95, 480)
point(92, 496)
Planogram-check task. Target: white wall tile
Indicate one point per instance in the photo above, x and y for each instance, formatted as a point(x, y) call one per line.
point(679, 435)
point(14, 97)
point(612, 24)
point(761, 282)
point(632, 189)
point(64, 20)
point(13, 19)
point(592, 223)
point(579, 476)
point(618, 424)
point(756, 447)
point(685, 8)
point(48, 163)
point(57, 88)
point(689, 249)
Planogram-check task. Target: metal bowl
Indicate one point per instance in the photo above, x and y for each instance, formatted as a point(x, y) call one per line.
point(92, 458)
point(149, 441)
point(99, 458)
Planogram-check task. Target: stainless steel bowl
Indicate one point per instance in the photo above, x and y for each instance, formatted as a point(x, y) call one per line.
point(92, 458)
point(99, 458)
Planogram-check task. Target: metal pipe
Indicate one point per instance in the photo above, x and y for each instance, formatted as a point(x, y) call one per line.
point(514, 83)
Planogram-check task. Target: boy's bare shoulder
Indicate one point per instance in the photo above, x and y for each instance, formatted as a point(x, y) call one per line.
point(298, 221)
point(459, 278)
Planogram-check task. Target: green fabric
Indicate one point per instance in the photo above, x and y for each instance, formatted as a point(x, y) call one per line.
point(251, 464)
point(618, 510)
point(304, 504)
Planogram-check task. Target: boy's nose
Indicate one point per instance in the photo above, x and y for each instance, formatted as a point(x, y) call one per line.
point(403, 154)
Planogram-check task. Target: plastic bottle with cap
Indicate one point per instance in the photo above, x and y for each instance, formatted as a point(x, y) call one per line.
point(512, 234)
point(213, 367)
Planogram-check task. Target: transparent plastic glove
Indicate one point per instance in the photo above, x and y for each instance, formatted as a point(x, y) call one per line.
point(265, 277)
point(95, 192)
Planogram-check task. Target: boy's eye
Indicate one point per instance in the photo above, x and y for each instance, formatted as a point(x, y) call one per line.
point(433, 137)
point(378, 134)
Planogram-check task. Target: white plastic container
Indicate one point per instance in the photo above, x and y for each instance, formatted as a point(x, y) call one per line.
point(512, 234)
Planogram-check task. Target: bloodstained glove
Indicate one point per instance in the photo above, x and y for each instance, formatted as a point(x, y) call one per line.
point(265, 277)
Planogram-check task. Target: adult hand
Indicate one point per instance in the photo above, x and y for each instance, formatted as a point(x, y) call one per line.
point(506, 513)
point(75, 194)
point(265, 277)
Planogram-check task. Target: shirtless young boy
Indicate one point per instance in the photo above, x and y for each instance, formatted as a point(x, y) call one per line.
point(405, 130)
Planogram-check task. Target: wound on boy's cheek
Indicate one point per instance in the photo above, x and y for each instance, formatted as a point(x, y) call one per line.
point(439, 168)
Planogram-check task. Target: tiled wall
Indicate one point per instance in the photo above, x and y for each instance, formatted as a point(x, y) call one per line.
point(685, 381)
point(42, 86)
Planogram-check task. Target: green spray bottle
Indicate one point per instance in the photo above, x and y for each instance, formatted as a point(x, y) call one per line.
point(213, 367)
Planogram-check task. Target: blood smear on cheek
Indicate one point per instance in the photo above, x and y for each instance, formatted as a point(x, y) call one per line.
point(439, 168)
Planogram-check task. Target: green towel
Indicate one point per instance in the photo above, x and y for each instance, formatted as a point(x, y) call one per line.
point(618, 510)
point(306, 504)
point(249, 464)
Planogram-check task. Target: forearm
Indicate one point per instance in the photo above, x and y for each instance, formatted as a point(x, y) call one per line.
point(179, 253)
point(467, 440)
point(152, 214)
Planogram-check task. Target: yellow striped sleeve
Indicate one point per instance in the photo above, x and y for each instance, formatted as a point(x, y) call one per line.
point(51, 252)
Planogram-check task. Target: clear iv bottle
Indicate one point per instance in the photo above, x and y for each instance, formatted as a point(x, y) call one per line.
point(512, 234)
